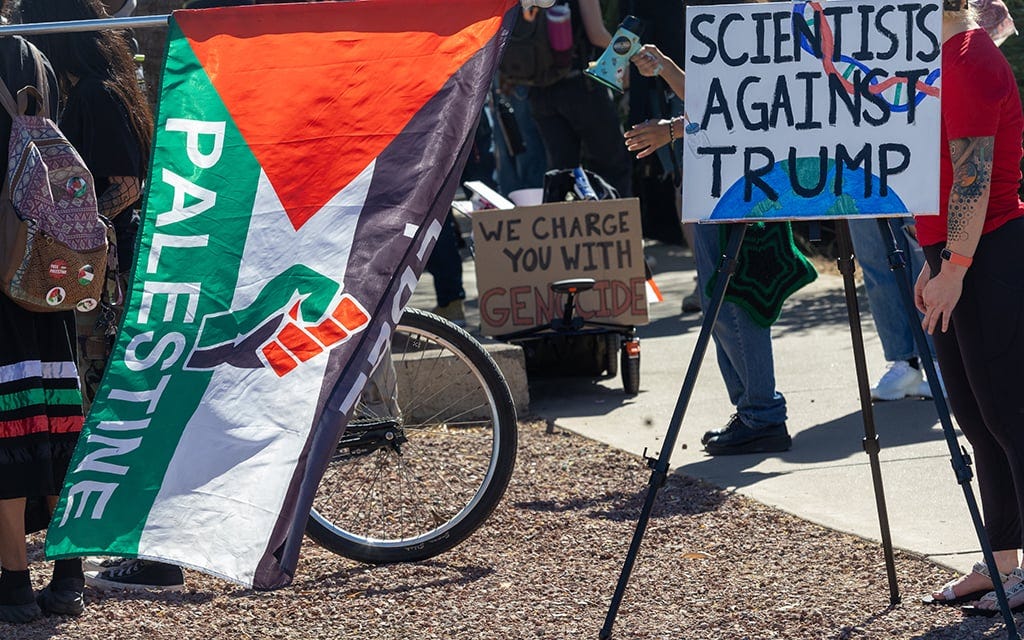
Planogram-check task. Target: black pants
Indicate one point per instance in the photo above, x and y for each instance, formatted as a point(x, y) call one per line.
point(577, 120)
point(981, 358)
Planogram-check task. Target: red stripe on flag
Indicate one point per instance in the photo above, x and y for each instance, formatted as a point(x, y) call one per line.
point(350, 315)
point(328, 332)
point(298, 342)
point(279, 359)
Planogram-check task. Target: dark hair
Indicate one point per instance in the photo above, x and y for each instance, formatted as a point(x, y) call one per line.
point(103, 55)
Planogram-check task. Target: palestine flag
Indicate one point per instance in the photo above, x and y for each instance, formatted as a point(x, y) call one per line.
point(304, 160)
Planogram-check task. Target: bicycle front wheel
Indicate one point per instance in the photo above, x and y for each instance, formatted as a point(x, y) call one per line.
point(409, 484)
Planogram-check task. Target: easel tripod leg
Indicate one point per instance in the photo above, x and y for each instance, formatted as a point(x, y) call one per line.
point(871, 444)
point(961, 465)
point(660, 467)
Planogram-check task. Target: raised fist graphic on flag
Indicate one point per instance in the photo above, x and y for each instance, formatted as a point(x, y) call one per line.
point(298, 315)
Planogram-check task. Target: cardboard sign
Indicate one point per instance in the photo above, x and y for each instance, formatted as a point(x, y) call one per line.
point(521, 251)
point(812, 110)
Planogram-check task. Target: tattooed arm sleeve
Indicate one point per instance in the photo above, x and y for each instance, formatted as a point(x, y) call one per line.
point(968, 199)
point(122, 192)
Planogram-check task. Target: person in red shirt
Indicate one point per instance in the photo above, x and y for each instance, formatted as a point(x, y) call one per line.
point(971, 291)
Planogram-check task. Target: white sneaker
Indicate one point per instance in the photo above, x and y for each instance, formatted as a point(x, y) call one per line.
point(898, 382)
point(101, 563)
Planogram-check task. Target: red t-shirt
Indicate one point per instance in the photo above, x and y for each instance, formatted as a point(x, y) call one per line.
point(979, 99)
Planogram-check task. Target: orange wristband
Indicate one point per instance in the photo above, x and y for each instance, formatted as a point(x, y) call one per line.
point(956, 258)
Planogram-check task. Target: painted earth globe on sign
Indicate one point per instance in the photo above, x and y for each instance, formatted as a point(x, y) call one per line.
point(826, 203)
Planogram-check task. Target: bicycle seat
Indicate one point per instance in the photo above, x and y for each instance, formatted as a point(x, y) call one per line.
point(573, 285)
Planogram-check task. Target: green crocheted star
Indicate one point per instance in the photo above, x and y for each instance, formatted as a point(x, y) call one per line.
point(769, 269)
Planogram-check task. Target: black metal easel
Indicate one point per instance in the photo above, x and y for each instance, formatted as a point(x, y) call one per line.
point(660, 467)
point(960, 460)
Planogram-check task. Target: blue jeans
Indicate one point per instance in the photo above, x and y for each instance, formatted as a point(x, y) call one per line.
point(524, 170)
point(744, 348)
point(872, 252)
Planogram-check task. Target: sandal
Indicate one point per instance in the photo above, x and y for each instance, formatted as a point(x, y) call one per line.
point(949, 598)
point(1016, 591)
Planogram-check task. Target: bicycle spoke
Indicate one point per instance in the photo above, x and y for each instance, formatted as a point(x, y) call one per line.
point(412, 484)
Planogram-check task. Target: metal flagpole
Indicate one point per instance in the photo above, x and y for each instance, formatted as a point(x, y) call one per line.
point(70, 26)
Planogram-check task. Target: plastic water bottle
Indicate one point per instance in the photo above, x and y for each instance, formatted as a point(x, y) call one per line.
point(695, 137)
point(584, 190)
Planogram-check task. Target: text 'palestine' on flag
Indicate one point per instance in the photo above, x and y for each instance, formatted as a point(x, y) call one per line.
point(304, 159)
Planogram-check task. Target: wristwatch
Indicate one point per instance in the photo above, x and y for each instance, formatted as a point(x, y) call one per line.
point(956, 258)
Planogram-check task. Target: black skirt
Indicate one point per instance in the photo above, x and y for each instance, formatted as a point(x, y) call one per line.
point(40, 400)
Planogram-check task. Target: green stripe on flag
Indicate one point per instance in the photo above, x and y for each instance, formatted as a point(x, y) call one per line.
point(186, 268)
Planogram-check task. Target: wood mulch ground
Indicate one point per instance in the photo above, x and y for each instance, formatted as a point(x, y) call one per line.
point(713, 565)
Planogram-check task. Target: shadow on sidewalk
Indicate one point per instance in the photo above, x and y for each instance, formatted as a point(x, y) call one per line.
point(899, 423)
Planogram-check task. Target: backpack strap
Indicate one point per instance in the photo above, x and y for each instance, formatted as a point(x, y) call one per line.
point(7, 100)
point(41, 92)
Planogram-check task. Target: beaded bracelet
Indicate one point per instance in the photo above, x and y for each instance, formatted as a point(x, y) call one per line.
point(672, 130)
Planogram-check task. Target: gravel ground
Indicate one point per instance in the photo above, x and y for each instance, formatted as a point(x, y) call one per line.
point(713, 565)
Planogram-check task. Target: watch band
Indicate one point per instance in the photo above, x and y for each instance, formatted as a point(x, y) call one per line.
point(956, 258)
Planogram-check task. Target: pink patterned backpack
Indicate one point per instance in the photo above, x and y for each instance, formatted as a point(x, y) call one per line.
point(53, 244)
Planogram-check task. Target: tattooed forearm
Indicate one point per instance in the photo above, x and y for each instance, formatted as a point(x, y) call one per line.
point(120, 194)
point(972, 179)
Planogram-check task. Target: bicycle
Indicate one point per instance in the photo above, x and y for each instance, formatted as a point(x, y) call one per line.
point(578, 344)
point(428, 453)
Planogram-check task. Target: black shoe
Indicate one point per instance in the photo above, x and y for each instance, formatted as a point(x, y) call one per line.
point(137, 575)
point(20, 606)
point(63, 597)
point(737, 437)
point(717, 432)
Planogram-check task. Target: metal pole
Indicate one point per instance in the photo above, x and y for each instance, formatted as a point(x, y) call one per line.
point(70, 26)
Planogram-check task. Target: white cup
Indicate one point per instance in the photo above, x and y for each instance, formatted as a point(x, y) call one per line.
point(526, 197)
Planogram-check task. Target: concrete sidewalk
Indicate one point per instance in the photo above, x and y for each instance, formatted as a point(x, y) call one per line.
point(825, 477)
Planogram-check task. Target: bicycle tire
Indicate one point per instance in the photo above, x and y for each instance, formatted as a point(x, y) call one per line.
point(611, 354)
point(425, 497)
point(630, 367)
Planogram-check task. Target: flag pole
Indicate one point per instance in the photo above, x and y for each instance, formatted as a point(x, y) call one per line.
point(70, 26)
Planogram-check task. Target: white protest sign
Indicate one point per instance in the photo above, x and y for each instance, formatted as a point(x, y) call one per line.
point(812, 110)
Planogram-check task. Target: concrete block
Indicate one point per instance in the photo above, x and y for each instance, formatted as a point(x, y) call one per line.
point(439, 386)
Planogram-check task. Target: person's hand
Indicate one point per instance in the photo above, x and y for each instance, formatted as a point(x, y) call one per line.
point(645, 138)
point(649, 60)
point(940, 295)
point(919, 284)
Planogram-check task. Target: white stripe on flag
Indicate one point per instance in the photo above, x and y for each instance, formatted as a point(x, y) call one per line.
point(228, 478)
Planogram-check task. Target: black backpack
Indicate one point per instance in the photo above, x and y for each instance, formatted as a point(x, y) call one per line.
point(529, 59)
point(559, 183)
